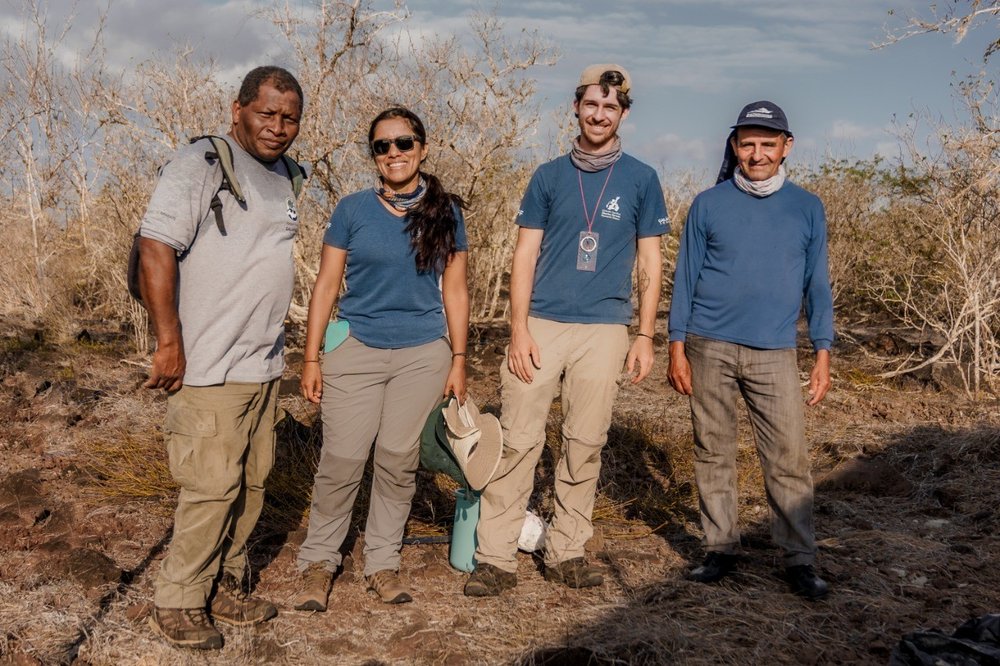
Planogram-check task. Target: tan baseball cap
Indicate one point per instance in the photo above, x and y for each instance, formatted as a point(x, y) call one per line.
point(592, 76)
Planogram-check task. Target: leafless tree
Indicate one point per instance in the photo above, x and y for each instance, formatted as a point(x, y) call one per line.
point(953, 18)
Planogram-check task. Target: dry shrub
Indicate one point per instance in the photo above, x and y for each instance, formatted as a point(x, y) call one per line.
point(90, 142)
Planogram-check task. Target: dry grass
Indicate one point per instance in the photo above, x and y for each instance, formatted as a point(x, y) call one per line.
point(896, 562)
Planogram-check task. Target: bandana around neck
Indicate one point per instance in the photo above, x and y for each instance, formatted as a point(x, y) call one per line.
point(401, 201)
point(760, 188)
point(591, 162)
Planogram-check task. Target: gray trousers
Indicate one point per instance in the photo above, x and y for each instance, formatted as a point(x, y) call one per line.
point(381, 396)
point(768, 381)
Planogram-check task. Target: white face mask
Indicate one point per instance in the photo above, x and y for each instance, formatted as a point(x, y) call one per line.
point(760, 188)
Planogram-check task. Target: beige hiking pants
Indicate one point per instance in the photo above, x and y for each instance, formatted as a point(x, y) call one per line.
point(220, 440)
point(585, 362)
point(381, 397)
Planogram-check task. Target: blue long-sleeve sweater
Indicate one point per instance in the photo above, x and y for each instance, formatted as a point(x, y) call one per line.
point(746, 264)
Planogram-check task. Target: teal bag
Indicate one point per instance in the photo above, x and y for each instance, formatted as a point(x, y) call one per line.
point(336, 332)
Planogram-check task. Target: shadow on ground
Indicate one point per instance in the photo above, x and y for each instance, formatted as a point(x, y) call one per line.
point(900, 554)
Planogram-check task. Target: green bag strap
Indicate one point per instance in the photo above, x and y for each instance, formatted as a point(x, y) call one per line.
point(296, 174)
point(223, 152)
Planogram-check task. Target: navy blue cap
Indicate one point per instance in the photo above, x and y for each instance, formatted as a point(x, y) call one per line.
point(755, 114)
point(763, 114)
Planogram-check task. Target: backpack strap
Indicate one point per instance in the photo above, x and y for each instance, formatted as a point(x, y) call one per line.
point(295, 173)
point(222, 152)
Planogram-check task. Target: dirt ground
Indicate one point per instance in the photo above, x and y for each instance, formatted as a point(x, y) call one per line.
point(908, 483)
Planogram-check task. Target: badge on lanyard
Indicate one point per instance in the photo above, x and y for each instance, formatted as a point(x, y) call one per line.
point(586, 256)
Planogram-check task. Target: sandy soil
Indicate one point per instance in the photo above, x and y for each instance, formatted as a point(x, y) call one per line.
point(908, 478)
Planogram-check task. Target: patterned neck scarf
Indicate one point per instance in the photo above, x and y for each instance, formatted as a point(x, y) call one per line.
point(401, 201)
point(591, 162)
point(760, 188)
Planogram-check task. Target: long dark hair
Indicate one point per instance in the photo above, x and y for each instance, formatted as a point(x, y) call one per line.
point(432, 223)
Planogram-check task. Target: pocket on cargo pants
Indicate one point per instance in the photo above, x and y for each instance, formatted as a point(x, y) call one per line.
point(188, 432)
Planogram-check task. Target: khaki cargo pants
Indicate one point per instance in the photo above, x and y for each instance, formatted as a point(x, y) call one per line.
point(220, 440)
point(585, 361)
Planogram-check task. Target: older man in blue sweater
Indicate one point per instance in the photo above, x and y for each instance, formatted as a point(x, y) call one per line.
point(753, 250)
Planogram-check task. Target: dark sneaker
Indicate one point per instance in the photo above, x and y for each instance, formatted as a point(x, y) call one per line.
point(388, 587)
point(234, 606)
point(805, 583)
point(574, 573)
point(715, 567)
point(489, 581)
point(314, 586)
point(186, 627)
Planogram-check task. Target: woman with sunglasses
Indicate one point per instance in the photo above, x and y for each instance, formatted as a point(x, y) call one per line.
point(402, 249)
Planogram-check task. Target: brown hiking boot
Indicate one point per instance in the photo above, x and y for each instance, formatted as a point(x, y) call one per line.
point(186, 627)
point(489, 581)
point(574, 573)
point(234, 606)
point(314, 583)
point(388, 587)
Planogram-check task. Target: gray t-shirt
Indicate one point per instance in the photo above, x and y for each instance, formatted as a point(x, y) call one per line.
point(234, 290)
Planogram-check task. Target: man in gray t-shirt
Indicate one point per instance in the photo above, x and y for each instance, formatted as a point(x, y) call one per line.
point(217, 297)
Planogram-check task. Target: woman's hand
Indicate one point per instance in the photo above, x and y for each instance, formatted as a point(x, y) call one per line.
point(456, 380)
point(312, 382)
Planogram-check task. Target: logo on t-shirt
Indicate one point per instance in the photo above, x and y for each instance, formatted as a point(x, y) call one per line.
point(611, 210)
point(293, 214)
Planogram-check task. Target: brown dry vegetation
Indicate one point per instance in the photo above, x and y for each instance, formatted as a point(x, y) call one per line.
point(905, 449)
point(907, 488)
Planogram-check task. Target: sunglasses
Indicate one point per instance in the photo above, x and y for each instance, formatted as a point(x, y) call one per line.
point(404, 143)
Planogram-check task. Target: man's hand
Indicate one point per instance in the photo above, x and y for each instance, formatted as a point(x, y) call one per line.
point(819, 378)
point(523, 355)
point(168, 367)
point(640, 354)
point(679, 371)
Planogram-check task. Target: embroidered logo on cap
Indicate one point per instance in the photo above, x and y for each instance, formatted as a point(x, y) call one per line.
point(762, 112)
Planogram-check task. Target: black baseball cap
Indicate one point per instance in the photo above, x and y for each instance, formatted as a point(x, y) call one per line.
point(763, 114)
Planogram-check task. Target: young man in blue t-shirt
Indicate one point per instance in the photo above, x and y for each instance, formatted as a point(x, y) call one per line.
point(754, 247)
point(586, 219)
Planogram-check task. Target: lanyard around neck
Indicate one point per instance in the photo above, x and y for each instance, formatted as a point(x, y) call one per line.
point(591, 218)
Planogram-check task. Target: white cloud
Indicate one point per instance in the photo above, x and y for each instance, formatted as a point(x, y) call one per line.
point(846, 130)
point(671, 151)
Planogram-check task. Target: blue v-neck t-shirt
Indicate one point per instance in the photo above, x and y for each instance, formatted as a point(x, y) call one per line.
point(387, 302)
point(631, 207)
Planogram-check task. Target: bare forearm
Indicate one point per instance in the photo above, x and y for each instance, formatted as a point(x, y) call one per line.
point(522, 278)
point(324, 297)
point(649, 266)
point(158, 285)
point(455, 294)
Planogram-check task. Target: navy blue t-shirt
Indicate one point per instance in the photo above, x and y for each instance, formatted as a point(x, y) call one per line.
point(387, 302)
point(631, 207)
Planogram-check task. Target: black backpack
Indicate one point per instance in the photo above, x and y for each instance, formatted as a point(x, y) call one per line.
point(224, 154)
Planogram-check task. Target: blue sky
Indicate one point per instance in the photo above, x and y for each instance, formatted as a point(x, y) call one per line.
point(694, 63)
